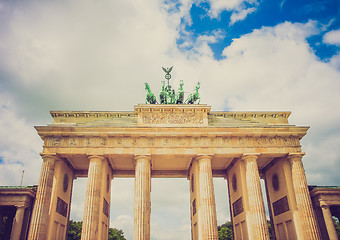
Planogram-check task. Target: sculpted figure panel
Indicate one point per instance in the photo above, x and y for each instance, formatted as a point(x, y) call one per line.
point(171, 142)
point(172, 118)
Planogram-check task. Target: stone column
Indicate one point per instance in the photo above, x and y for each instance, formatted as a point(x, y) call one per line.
point(142, 198)
point(17, 223)
point(40, 214)
point(327, 215)
point(207, 222)
point(92, 199)
point(256, 219)
point(308, 223)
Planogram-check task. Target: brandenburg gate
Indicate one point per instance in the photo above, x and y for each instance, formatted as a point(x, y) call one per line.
point(175, 141)
point(187, 141)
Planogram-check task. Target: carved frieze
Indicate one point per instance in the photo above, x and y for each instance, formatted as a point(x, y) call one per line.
point(178, 118)
point(171, 141)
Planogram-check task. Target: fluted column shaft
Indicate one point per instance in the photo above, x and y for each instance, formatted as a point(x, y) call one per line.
point(92, 199)
point(142, 197)
point(40, 214)
point(207, 221)
point(17, 223)
point(257, 222)
point(308, 222)
point(327, 215)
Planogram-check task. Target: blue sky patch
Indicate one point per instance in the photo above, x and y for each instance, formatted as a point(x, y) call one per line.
point(269, 13)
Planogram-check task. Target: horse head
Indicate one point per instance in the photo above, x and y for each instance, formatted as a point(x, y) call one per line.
point(147, 87)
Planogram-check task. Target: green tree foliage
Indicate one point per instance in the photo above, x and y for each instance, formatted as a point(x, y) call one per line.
point(2, 230)
point(74, 232)
point(270, 230)
point(225, 231)
point(116, 234)
point(337, 226)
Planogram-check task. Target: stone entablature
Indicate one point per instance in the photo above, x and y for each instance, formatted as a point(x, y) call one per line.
point(16, 205)
point(325, 194)
point(16, 196)
point(326, 202)
point(169, 116)
point(169, 132)
point(169, 141)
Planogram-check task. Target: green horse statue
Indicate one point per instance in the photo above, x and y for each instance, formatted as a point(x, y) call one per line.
point(163, 94)
point(150, 97)
point(180, 94)
point(193, 97)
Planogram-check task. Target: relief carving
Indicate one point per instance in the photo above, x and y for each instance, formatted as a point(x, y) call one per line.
point(119, 141)
point(150, 142)
point(226, 141)
point(175, 141)
point(135, 142)
point(258, 142)
point(88, 141)
point(102, 141)
point(211, 141)
point(243, 141)
point(72, 141)
point(172, 118)
point(56, 141)
point(165, 142)
point(271, 141)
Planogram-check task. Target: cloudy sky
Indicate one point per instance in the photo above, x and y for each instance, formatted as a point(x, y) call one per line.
point(254, 55)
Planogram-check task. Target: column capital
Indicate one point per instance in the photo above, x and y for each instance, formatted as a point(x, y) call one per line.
point(141, 156)
point(250, 156)
point(138, 156)
point(95, 156)
point(21, 206)
point(49, 156)
point(323, 204)
point(201, 156)
point(293, 157)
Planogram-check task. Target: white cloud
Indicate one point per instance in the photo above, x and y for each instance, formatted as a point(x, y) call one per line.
point(322, 160)
point(239, 8)
point(19, 147)
point(124, 222)
point(332, 37)
point(335, 61)
point(240, 15)
point(200, 46)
